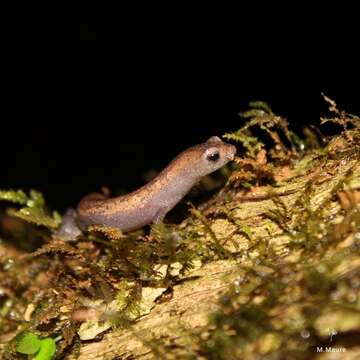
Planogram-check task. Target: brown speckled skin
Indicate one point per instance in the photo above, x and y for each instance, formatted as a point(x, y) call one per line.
point(151, 202)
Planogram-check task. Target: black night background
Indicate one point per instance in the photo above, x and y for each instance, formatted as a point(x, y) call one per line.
point(97, 94)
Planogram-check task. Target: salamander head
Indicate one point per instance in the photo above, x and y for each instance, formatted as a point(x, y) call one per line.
point(211, 156)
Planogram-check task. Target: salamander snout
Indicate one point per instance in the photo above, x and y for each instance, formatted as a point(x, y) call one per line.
point(214, 154)
point(219, 150)
point(231, 152)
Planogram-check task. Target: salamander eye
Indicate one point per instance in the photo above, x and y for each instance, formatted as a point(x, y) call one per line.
point(215, 156)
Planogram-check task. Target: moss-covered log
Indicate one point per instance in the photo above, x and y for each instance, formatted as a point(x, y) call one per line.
point(267, 268)
point(298, 271)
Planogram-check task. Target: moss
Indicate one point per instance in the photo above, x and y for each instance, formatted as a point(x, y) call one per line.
point(314, 298)
point(284, 230)
point(34, 210)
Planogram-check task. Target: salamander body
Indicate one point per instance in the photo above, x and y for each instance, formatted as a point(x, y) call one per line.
point(153, 201)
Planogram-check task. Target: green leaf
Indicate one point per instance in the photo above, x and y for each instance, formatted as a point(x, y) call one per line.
point(27, 343)
point(47, 349)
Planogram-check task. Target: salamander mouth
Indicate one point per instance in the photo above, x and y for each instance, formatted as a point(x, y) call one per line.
point(232, 152)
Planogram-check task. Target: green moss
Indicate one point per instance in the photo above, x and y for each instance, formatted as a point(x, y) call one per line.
point(288, 222)
point(301, 289)
point(34, 210)
point(301, 303)
point(17, 197)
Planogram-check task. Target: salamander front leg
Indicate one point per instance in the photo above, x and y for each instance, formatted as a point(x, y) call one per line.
point(69, 230)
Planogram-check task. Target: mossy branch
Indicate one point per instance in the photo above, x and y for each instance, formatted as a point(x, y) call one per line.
point(289, 285)
point(267, 268)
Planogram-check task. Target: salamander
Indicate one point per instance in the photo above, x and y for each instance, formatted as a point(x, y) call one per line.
point(151, 202)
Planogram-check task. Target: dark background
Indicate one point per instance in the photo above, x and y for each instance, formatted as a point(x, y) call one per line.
point(97, 94)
